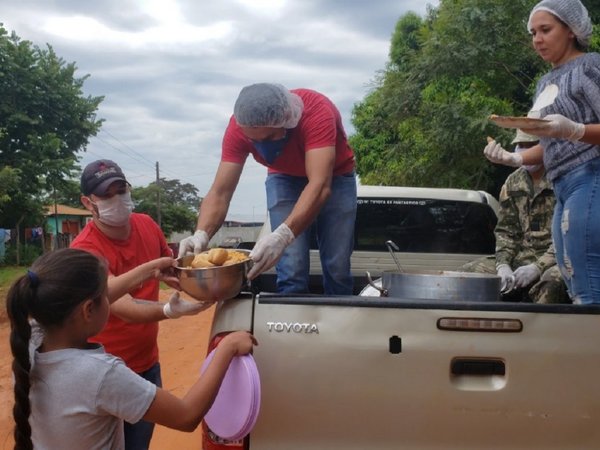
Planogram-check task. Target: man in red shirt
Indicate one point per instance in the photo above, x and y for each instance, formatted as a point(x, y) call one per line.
point(299, 136)
point(126, 240)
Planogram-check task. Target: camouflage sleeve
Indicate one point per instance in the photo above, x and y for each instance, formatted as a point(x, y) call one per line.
point(508, 230)
point(547, 260)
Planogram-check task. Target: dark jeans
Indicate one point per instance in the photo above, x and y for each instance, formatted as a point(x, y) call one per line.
point(138, 435)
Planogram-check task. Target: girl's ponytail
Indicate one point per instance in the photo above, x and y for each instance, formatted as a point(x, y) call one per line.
point(20, 334)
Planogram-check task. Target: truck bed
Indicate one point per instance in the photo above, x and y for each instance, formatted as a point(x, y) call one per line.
point(375, 263)
point(387, 373)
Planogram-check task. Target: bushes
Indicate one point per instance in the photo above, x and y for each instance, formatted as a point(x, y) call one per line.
point(28, 254)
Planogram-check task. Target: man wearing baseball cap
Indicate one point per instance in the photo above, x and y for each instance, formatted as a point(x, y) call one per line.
point(126, 240)
point(524, 258)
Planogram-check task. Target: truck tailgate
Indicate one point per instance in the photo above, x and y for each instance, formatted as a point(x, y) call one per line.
point(366, 373)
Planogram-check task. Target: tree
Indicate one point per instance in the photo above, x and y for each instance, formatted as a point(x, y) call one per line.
point(46, 120)
point(178, 202)
point(9, 184)
point(65, 192)
point(425, 122)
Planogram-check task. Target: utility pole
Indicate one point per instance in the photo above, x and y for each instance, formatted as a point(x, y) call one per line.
point(56, 246)
point(158, 218)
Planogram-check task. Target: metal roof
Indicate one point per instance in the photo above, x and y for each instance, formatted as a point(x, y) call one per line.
point(64, 210)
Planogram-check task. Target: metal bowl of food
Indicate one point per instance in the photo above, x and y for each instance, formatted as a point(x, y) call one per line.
point(212, 283)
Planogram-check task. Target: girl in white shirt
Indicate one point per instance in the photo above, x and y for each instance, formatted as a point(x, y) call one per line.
point(70, 394)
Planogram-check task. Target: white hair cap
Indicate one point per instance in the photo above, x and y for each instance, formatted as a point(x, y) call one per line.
point(572, 13)
point(267, 105)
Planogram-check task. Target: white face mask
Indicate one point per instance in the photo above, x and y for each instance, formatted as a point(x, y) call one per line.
point(116, 210)
point(530, 168)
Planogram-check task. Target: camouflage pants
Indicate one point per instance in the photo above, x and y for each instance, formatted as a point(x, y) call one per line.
point(550, 288)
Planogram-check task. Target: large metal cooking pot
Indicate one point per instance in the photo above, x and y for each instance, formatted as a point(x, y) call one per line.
point(439, 285)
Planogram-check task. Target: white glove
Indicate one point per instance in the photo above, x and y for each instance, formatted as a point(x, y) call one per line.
point(496, 154)
point(558, 127)
point(196, 243)
point(507, 278)
point(269, 249)
point(178, 307)
point(526, 275)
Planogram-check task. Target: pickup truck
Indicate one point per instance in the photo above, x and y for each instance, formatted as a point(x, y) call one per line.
point(367, 372)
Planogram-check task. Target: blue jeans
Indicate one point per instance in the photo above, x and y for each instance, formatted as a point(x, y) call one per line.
point(334, 230)
point(138, 435)
point(575, 233)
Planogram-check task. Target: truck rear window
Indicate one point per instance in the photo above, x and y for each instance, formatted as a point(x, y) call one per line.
point(425, 226)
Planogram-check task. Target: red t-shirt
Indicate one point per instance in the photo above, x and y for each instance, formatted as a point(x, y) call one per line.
point(135, 343)
point(320, 126)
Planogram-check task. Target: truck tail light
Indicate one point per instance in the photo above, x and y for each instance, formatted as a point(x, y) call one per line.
point(210, 441)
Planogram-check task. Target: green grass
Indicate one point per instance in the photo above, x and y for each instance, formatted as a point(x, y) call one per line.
point(8, 274)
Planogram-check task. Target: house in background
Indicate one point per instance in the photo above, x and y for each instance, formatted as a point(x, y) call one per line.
point(63, 223)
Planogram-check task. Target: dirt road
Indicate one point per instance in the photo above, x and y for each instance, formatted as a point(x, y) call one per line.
point(182, 345)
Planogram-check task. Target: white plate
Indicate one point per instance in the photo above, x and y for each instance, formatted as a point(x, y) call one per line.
point(516, 122)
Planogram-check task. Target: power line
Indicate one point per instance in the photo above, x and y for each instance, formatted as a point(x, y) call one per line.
point(136, 155)
point(144, 159)
point(127, 146)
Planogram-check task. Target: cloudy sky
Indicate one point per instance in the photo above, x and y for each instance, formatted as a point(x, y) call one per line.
point(170, 70)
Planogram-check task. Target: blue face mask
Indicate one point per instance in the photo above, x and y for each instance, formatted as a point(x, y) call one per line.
point(270, 150)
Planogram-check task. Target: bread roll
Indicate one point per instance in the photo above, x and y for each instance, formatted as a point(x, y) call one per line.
point(235, 257)
point(201, 261)
point(217, 256)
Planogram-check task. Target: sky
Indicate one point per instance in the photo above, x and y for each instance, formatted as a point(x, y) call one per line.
point(171, 70)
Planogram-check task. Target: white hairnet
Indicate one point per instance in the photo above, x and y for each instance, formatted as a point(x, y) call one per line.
point(572, 13)
point(267, 105)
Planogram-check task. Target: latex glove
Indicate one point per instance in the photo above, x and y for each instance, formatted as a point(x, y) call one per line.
point(558, 127)
point(526, 275)
point(507, 277)
point(269, 249)
point(196, 243)
point(178, 307)
point(496, 154)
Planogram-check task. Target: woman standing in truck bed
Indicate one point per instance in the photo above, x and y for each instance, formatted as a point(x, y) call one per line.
point(569, 140)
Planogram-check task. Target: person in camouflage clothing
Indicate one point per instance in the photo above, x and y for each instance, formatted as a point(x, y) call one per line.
point(524, 257)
